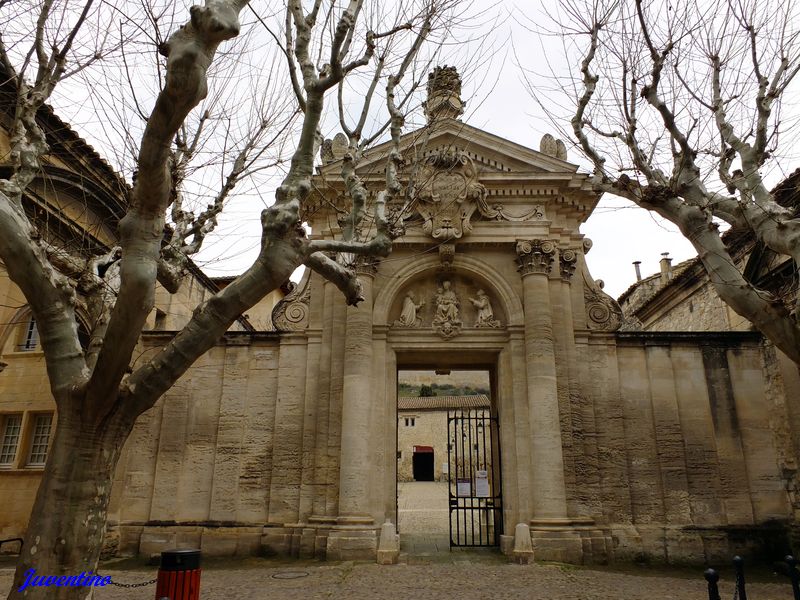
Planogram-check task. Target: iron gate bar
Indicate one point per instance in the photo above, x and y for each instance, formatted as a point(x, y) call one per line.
point(469, 451)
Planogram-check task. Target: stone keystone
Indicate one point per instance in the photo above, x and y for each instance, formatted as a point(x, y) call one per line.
point(523, 549)
point(389, 544)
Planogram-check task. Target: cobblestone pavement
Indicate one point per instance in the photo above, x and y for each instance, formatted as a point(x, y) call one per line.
point(462, 576)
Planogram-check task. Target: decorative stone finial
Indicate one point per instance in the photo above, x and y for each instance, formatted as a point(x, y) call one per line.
point(553, 147)
point(444, 94)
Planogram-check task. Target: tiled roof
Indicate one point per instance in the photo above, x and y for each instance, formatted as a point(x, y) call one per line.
point(786, 193)
point(441, 402)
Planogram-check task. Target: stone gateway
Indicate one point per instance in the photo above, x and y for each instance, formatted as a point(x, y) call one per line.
point(611, 444)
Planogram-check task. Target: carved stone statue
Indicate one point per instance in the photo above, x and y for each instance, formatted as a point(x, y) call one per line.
point(485, 313)
point(408, 314)
point(447, 320)
point(553, 147)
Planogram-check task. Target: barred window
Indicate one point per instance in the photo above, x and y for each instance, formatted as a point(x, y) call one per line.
point(29, 338)
point(12, 427)
point(40, 439)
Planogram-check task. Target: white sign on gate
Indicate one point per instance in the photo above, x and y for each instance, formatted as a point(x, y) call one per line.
point(482, 484)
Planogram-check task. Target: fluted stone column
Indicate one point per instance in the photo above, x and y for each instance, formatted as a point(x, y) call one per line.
point(547, 477)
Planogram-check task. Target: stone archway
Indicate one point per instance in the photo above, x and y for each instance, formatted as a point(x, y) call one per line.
point(498, 350)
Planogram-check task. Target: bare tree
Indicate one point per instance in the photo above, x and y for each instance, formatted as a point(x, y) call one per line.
point(98, 397)
point(677, 108)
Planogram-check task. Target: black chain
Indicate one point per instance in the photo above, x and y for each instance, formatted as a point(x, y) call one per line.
point(129, 585)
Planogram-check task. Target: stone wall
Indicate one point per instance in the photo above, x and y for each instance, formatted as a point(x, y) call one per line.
point(215, 459)
point(690, 461)
point(429, 429)
point(702, 310)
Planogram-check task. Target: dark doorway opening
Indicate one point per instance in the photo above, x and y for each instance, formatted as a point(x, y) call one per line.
point(423, 465)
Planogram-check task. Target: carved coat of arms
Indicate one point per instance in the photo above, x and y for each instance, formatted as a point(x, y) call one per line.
point(448, 194)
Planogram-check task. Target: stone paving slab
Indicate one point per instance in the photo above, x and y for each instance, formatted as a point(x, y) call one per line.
point(461, 576)
point(423, 507)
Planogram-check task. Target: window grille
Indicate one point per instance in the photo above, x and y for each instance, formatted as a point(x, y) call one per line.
point(10, 439)
point(30, 337)
point(40, 439)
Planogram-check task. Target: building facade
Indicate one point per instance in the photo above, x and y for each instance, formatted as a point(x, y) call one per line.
point(610, 444)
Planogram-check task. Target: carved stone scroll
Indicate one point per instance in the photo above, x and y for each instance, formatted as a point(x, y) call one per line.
point(602, 311)
point(553, 147)
point(568, 261)
point(447, 253)
point(291, 313)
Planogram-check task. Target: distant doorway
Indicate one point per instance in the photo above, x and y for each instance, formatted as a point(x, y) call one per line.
point(425, 397)
point(422, 463)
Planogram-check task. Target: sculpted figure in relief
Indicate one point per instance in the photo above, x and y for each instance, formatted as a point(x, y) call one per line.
point(485, 312)
point(408, 314)
point(446, 305)
point(447, 321)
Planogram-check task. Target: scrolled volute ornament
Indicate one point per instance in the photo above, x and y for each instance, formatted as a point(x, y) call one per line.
point(291, 313)
point(603, 313)
point(568, 261)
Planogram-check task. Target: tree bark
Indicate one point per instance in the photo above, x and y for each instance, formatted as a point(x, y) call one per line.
point(71, 505)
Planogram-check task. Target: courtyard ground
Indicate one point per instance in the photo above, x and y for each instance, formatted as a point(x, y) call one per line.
point(429, 570)
point(438, 575)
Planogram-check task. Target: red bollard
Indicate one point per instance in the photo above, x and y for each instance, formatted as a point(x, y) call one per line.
point(179, 575)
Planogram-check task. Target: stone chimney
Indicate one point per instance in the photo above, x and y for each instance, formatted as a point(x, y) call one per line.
point(666, 268)
point(444, 95)
point(636, 264)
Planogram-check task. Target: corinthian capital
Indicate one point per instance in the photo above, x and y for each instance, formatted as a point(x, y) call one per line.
point(535, 256)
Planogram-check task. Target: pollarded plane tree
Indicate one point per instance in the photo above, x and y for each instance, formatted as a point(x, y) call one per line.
point(677, 107)
point(98, 397)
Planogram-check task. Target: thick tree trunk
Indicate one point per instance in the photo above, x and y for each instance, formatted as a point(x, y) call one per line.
point(66, 534)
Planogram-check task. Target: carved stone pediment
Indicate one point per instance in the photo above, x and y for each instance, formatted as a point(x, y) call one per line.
point(448, 194)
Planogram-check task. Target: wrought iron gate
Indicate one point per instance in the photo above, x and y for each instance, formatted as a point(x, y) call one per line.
point(473, 456)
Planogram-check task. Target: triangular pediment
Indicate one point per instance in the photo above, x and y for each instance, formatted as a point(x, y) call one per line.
point(489, 153)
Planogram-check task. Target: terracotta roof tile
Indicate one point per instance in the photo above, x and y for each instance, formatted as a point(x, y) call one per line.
point(442, 402)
